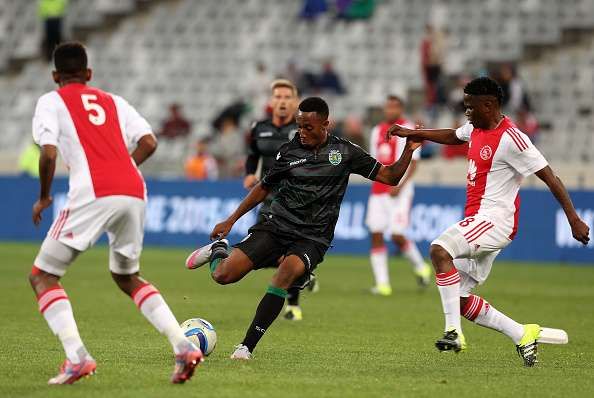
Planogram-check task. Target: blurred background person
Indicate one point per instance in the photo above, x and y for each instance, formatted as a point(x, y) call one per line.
point(51, 13)
point(201, 165)
point(433, 48)
point(176, 125)
point(228, 148)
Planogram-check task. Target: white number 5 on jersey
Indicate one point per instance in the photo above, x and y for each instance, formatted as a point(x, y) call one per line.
point(99, 117)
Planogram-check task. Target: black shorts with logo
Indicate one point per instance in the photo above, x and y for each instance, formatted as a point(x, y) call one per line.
point(265, 247)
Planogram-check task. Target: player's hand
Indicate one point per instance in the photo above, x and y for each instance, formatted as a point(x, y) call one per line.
point(580, 231)
point(221, 230)
point(400, 131)
point(413, 142)
point(395, 190)
point(250, 181)
point(40, 206)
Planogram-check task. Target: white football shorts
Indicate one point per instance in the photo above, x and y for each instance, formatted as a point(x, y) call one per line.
point(387, 213)
point(122, 217)
point(473, 243)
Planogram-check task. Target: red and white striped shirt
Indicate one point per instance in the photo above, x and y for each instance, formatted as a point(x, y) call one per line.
point(388, 151)
point(498, 161)
point(92, 130)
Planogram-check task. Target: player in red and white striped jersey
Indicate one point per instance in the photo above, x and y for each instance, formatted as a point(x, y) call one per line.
point(389, 207)
point(92, 130)
point(499, 157)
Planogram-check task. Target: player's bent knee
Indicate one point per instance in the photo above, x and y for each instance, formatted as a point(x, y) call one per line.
point(439, 256)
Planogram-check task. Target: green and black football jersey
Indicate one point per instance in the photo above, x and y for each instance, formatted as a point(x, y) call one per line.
point(310, 186)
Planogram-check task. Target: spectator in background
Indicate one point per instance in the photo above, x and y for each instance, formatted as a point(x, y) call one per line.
point(329, 80)
point(51, 12)
point(433, 47)
point(312, 9)
point(175, 125)
point(228, 148)
point(354, 9)
point(515, 96)
point(305, 81)
point(201, 165)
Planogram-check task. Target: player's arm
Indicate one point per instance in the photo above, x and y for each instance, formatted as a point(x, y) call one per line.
point(47, 168)
point(440, 136)
point(255, 197)
point(251, 162)
point(145, 147)
point(392, 174)
point(579, 229)
point(407, 177)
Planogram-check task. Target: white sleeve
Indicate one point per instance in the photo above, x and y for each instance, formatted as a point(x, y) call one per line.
point(417, 153)
point(402, 144)
point(373, 141)
point(521, 154)
point(46, 128)
point(463, 132)
point(135, 126)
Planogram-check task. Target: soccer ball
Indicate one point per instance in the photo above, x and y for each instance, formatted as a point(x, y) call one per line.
point(201, 333)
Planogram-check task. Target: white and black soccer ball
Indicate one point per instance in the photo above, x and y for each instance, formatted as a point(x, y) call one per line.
point(201, 333)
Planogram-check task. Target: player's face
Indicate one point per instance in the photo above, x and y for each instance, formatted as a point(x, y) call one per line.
point(392, 110)
point(312, 129)
point(477, 110)
point(283, 102)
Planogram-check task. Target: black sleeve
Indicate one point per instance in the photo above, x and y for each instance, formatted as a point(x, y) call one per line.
point(251, 162)
point(363, 163)
point(278, 170)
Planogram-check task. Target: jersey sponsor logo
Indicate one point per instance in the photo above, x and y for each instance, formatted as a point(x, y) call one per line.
point(486, 152)
point(296, 162)
point(471, 177)
point(265, 134)
point(335, 157)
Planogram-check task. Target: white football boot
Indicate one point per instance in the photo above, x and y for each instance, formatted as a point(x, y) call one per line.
point(201, 256)
point(241, 352)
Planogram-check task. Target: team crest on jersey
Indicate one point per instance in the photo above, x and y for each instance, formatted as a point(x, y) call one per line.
point(486, 152)
point(335, 157)
point(471, 172)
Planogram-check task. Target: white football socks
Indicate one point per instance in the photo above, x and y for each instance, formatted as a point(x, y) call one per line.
point(412, 254)
point(448, 284)
point(157, 312)
point(379, 265)
point(57, 311)
point(482, 313)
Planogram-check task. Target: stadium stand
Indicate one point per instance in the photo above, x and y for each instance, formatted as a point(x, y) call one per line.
point(196, 53)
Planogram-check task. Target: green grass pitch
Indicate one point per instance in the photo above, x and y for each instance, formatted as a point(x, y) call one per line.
point(349, 344)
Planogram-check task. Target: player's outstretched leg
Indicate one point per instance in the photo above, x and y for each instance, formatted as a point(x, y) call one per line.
point(271, 305)
point(410, 251)
point(448, 284)
point(51, 263)
point(525, 337)
point(154, 308)
point(293, 310)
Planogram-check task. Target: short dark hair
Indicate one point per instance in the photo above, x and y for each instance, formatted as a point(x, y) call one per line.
point(315, 104)
point(485, 86)
point(70, 58)
point(393, 97)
